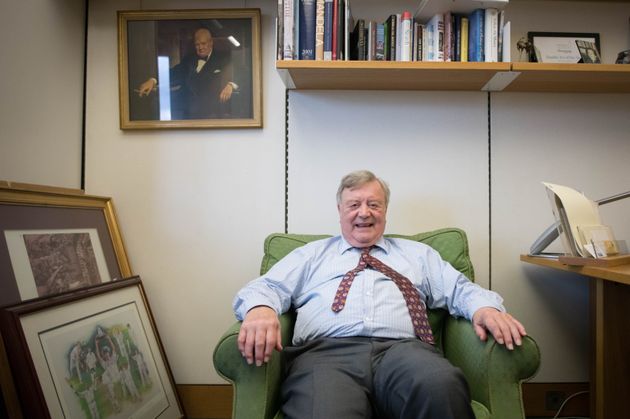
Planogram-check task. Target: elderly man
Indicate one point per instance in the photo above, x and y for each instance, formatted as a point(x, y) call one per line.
point(362, 345)
point(204, 80)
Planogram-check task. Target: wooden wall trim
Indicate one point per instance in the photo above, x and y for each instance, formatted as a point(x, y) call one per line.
point(206, 400)
point(215, 400)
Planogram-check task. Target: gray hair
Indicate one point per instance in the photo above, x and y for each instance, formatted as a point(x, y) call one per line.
point(358, 179)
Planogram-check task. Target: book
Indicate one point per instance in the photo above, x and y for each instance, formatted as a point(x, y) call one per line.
point(348, 25)
point(491, 35)
point(463, 54)
point(371, 41)
point(392, 37)
point(506, 51)
point(405, 36)
point(289, 30)
point(335, 29)
point(280, 31)
point(319, 29)
point(307, 13)
point(448, 36)
point(379, 50)
point(328, 22)
point(500, 41)
point(418, 36)
point(435, 26)
point(475, 35)
point(358, 51)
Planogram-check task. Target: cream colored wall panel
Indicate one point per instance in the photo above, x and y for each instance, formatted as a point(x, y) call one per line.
point(430, 147)
point(41, 105)
point(194, 205)
point(570, 139)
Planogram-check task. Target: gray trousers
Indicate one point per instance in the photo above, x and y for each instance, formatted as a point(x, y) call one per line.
point(362, 378)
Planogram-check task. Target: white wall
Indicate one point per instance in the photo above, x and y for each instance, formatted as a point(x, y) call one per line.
point(41, 105)
point(195, 206)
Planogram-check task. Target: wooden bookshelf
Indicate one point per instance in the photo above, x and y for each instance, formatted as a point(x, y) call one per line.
point(583, 78)
point(394, 75)
point(387, 75)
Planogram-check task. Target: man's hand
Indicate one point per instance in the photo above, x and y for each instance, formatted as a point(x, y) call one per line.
point(505, 328)
point(226, 93)
point(259, 335)
point(147, 87)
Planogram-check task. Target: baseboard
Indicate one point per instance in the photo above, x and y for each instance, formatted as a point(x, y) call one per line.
point(215, 400)
point(538, 399)
point(206, 400)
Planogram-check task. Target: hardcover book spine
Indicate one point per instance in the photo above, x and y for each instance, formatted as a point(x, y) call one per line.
point(475, 39)
point(307, 29)
point(289, 19)
point(280, 31)
point(319, 30)
point(335, 27)
point(448, 37)
point(379, 51)
point(405, 34)
point(491, 35)
point(464, 43)
point(392, 37)
point(328, 22)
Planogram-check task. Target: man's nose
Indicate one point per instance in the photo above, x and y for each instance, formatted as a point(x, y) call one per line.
point(364, 210)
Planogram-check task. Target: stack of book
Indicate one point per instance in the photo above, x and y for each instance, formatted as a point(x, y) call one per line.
point(326, 30)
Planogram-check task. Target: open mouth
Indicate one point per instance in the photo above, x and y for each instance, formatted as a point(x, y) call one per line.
point(364, 225)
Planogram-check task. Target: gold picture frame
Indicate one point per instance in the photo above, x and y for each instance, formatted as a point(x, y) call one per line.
point(164, 85)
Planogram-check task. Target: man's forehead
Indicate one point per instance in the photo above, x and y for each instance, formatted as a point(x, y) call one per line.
point(355, 192)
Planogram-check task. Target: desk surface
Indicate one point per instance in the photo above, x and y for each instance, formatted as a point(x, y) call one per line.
point(619, 273)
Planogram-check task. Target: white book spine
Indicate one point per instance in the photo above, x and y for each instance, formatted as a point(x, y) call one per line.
point(491, 35)
point(405, 44)
point(289, 20)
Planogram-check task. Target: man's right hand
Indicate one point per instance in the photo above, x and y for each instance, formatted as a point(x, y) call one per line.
point(147, 87)
point(260, 335)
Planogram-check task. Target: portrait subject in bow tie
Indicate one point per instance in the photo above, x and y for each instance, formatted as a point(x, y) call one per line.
point(201, 83)
point(362, 346)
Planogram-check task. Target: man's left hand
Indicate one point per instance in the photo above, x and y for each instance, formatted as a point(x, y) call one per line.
point(226, 93)
point(505, 328)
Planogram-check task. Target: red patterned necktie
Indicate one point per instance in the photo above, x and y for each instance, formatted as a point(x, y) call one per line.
point(417, 309)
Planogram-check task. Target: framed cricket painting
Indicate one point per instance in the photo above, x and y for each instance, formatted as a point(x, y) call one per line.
point(91, 353)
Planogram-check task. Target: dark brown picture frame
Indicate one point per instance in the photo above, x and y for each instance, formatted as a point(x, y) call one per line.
point(40, 335)
point(161, 46)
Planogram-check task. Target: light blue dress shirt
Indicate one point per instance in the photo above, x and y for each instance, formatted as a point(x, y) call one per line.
point(308, 278)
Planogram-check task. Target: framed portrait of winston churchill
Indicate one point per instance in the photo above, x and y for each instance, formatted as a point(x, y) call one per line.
point(189, 69)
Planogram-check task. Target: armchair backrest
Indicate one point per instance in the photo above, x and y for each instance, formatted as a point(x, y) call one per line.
point(451, 243)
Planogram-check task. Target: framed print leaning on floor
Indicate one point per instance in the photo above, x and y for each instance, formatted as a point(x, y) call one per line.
point(56, 240)
point(190, 69)
point(92, 353)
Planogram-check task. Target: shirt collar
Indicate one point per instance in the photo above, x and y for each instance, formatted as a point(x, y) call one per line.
point(382, 243)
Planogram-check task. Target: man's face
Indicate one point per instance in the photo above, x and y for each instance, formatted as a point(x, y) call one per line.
point(203, 43)
point(362, 214)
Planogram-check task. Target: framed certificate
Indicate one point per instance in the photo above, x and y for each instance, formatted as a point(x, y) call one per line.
point(559, 47)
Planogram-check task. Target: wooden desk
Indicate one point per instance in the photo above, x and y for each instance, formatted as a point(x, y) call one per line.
point(610, 342)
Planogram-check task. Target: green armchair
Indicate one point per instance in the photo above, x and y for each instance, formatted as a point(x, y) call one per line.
point(494, 374)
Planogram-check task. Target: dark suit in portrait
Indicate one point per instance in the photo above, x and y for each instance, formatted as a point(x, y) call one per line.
point(195, 95)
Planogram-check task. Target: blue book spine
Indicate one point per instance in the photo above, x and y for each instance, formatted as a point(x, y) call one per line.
point(307, 29)
point(328, 27)
point(475, 38)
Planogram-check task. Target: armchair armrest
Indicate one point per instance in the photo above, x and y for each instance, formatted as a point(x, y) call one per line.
point(256, 389)
point(494, 373)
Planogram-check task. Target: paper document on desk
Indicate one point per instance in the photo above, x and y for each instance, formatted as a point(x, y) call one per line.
point(574, 211)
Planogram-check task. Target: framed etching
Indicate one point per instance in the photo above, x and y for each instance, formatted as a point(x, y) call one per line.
point(189, 69)
point(56, 240)
point(559, 47)
point(92, 353)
